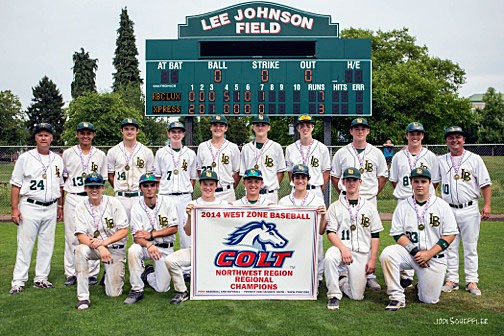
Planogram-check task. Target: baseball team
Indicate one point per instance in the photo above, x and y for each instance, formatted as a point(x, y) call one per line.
point(153, 200)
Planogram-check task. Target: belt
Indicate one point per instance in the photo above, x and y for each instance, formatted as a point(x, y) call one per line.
point(223, 188)
point(178, 194)
point(129, 194)
point(266, 191)
point(32, 201)
point(460, 206)
point(438, 256)
point(80, 194)
point(117, 247)
point(164, 245)
point(309, 186)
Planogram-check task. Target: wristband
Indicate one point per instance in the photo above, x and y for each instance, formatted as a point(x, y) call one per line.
point(409, 247)
point(443, 244)
point(414, 251)
point(150, 246)
point(60, 206)
point(151, 237)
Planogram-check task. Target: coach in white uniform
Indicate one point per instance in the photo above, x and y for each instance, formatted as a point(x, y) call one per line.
point(311, 153)
point(37, 184)
point(221, 156)
point(126, 162)
point(153, 225)
point(265, 155)
point(464, 176)
point(423, 227)
point(353, 228)
point(79, 160)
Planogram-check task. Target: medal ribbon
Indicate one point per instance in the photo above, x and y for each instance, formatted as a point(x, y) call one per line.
point(293, 200)
point(361, 160)
point(81, 155)
point(148, 212)
point(353, 216)
point(408, 155)
point(214, 157)
point(257, 153)
point(44, 167)
point(303, 156)
point(172, 153)
point(420, 217)
point(93, 213)
point(126, 156)
point(456, 167)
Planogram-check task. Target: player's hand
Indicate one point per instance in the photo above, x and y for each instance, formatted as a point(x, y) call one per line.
point(370, 266)
point(60, 214)
point(189, 208)
point(485, 212)
point(17, 217)
point(154, 253)
point(142, 234)
point(105, 255)
point(422, 258)
point(96, 242)
point(346, 256)
point(321, 210)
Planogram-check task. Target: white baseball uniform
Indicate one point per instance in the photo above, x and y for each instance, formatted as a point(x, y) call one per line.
point(261, 201)
point(226, 160)
point(270, 160)
point(39, 178)
point(107, 218)
point(313, 200)
point(402, 164)
point(180, 260)
point(315, 156)
point(437, 220)
point(77, 166)
point(462, 194)
point(353, 224)
point(127, 168)
point(144, 218)
point(372, 162)
point(176, 169)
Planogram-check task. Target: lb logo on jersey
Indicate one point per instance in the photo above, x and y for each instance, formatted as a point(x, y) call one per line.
point(268, 162)
point(94, 167)
point(424, 166)
point(109, 222)
point(365, 221)
point(57, 172)
point(465, 175)
point(314, 162)
point(225, 159)
point(368, 166)
point(140, 163)
point(257, 235)
point(184, 165)
point(434, 220)
point(163, 221)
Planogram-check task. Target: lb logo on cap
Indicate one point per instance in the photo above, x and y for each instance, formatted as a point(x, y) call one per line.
point(359, 120)
point(350, 171)
point(419, 171)
point(208, 174)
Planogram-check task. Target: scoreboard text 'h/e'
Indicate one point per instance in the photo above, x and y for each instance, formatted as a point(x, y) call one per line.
point(258, 58)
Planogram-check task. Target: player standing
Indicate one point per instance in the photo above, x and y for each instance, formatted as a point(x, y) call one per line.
point(153, 225)
point(79, 160)
point(353, 228)
point(221, 156)
point(265, 155)
point(101, 226)
point(253, 183)
point(423, 227)
point(371, 164)
point(37, 184)
point(126, 162)
point(464, 175)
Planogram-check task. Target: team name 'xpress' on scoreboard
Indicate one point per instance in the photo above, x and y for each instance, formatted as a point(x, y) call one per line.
point(269, 86)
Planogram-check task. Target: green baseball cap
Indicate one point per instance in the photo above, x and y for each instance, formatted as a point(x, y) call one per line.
point(84, 125)
point(130, 121)
point(209, 175)
point(351, 172)
point(305, 118)
point(261, 119)
point(249, 173)
point(300, 169)
point(219, 119)
point(93, 179)
point(454, 130)
point(415, 127)
point(176, 124)
point(43, 127)
point(148, 177)
point(359, 122)
point(420, 172)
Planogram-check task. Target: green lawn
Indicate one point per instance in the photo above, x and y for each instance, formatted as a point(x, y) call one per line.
point(52, 312)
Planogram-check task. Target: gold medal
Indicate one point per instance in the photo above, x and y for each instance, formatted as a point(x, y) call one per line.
point(361, 170)
point(256, 167)
point(421, 227)
point(96, 234)
point(214, 164)
point(44, 176)
point(353, 227)
point(84, 175)
point(175, 171)
point(456, 177)
point(127, 167)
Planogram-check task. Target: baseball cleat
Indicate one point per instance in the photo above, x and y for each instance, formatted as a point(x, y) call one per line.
point(449, 286)
point(333, 303)
point(16, 289)
point(134, 297)
point(406, 282)
point(373, 284)
point(394, 305)
point(42, 284)
point(71, 280)
point(83, 305)
point(148, 270)
point(180, 297)
point(472, 288)
point(92, 280)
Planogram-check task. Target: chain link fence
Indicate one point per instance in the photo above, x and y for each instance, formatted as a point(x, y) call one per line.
point(493, 155)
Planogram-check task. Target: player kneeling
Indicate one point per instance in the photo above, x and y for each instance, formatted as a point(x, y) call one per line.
point(423, 227)
point(101, 226)
point(353, 227)
point(154, 225)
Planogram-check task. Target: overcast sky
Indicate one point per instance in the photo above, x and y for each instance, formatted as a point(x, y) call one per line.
point(39, 37)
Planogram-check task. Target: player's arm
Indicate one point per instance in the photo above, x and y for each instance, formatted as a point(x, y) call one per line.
point(394, 184)
point(371, 264)
point(325, 176)
point(423, 257)
point(111, 179)
point(16, 214)
point(335, 182)
point(236, 178)
point(105, 255)
point(486, 191)
point(193, 182)
point(382, 180)
point(61, 200)
point(118, 235)
point(346, 254)
point(321, 211)
point(280, 177)
point(187, 225)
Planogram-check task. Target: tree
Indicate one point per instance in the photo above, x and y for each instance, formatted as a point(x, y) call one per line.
point(491, 129)
point(409, 85)
point(12, 120)
point(125, 60)
point(84, 76)
point(47, 106)
point(105, 111)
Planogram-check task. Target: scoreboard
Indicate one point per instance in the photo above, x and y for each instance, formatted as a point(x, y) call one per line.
point(270, 86)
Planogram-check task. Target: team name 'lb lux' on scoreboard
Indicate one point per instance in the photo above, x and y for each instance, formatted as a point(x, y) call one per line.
point(258, 58)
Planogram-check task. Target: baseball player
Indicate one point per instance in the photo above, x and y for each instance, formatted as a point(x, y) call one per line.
point(253, 182)
point(79, 160)
point(181, 259)
point(412, 156)
point(126, 162)
point(37, 182)
point(423, 227)
point(101, 226)
point(311, 153)
point(265, 155)
point(302, 197)
point(464, 176)
point(154, 226)
point(354, 230)
point(221, 156)
point(371, 164)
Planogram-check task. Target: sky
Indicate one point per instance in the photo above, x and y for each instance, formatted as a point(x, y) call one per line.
point(39, 37)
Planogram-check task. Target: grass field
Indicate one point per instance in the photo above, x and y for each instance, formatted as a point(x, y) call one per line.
point(52, 312)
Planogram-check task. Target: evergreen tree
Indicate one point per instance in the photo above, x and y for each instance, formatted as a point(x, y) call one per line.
point(47, 106)
point(84, 76)
point(125, 60)
point(491, 129)
point(12, 125)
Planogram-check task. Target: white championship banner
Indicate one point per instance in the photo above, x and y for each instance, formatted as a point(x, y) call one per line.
point(254, 253)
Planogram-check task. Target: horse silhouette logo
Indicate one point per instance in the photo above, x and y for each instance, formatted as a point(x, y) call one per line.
point(257, 235)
